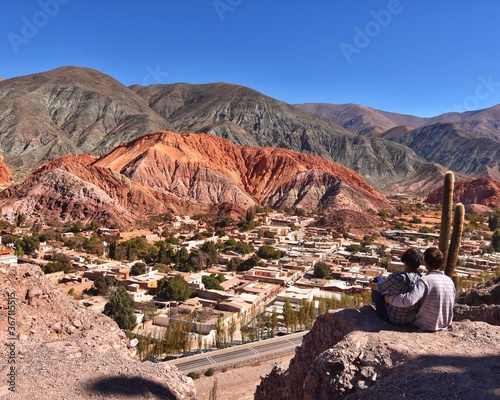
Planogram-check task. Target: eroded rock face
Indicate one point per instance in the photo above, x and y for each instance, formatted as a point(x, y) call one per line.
point(482, 191)
point(484, 293)
point(481, 303)
point(353, 355)
point(65, 351)
point(187, 174)
point(5, 174)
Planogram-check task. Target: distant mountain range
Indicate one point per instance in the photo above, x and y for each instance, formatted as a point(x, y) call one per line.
point(368, 121)
point(72, 111)
point(186, 173)
point(468, 143)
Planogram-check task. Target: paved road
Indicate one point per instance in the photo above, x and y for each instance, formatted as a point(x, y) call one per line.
point(219, 358)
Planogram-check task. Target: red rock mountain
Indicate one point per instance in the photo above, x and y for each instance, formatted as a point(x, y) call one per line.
point(187, 173)
point(482, 191)
point(5, 174)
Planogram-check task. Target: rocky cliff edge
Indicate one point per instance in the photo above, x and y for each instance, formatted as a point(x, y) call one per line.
point(351, 354)
point(62, 350)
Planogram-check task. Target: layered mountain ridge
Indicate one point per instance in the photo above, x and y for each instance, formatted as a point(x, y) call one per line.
point(73, 110)
point(186, 173)
point(452, 147)
point(467, 143)
point(368, 121)
point(248, 117)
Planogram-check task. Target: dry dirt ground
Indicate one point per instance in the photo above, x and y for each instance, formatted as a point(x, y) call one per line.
point(238, 383)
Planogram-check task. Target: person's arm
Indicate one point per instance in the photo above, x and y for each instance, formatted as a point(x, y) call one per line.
point(392, 284)
point(408, 299)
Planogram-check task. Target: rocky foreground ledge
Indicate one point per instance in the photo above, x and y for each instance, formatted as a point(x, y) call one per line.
point(351, 354)
point(64, 351)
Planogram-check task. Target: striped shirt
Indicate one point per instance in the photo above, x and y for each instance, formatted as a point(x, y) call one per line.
point(437, 294)
point(397, 283)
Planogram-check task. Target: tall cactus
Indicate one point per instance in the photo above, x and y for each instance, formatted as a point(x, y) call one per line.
point(446, 213)
point(456, 237)
point(449, 242)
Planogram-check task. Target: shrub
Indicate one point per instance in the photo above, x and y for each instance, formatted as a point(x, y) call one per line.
point(194, 375)
point(209, 372)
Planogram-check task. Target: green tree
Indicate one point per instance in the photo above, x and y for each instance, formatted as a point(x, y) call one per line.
point(250, 262)
point(289, 315)
point(494, 221)
point(21, 219)
point(175, 288)
point(270, 253)
point(120, 308)
point(59, 262)
point(220, 332)
point(182, 257)
point(232, 329)
point(495, 240)
point(103, 286)
point(399, 225)
point(30, 244)
point(112, 250)
point(211, 282)
point(165, 253)
point(233, 264)
point(321, 270)
point(381, 250)
point(383, 214)
point(355, 248)
point(210, 249)
point(93, 225)
point(243, 248)
point(77, 226)
point(250, 214)
point(138, 268)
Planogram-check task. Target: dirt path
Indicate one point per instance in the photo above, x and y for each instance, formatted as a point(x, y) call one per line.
point(238, 383)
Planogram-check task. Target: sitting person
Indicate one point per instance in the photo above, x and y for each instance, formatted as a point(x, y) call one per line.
point(435, 292)
point(397, 283)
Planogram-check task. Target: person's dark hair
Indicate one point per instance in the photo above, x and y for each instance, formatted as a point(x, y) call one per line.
point(413, 258)
point(433, 257)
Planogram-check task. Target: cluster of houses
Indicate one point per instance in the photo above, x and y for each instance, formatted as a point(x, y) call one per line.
point(249, 293)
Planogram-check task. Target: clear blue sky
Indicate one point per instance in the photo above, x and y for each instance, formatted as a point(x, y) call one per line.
point(418, 57)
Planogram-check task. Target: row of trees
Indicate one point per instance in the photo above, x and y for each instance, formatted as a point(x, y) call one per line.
point(178, 337)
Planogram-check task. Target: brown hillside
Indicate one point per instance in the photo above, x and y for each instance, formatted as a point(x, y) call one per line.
point(66, 351)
